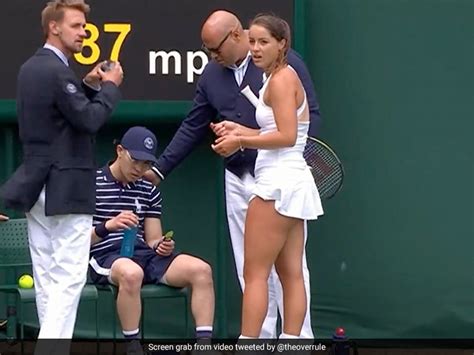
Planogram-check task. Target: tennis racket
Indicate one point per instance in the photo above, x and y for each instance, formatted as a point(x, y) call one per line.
point(325, 166)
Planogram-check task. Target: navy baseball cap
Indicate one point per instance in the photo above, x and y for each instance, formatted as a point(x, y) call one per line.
point(141, 143)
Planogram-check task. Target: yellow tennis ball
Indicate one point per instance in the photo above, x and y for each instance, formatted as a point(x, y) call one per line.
point(25, 281)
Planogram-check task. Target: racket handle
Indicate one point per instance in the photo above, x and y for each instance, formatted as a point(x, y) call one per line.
point(248, 93)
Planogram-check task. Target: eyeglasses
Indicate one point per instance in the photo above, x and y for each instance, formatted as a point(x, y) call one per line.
point(217, 49)
point(142, 163)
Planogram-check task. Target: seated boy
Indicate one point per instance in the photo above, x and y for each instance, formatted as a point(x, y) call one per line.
point(124, 199)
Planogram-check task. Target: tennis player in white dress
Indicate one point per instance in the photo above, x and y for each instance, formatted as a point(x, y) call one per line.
point(285, 194)
point(282, 174)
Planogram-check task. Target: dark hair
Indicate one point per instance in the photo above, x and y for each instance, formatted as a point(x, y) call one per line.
point(279, 29)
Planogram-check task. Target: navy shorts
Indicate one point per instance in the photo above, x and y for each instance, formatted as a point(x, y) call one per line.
point(153, 265)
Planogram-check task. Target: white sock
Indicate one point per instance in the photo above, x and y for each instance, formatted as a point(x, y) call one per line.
point(131, 334)
point(245, 337)
point(288, 336)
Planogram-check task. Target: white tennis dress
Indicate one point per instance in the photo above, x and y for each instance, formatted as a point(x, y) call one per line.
point(282, 174)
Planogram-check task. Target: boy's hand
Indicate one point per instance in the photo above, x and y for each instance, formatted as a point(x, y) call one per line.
point(122, 221)
point(165, 247)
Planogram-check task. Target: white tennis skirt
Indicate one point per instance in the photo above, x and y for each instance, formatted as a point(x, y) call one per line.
point(293, 190)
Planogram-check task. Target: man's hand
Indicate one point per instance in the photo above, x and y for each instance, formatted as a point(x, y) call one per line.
point(115, 74)
point(124, 220)
point(165, 247)
point(3, 218)
point(93, 77)
point(152, 177)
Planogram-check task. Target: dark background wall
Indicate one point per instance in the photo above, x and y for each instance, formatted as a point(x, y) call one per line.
point(392, 256)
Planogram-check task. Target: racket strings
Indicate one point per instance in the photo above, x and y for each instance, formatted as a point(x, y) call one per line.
point(325, 168)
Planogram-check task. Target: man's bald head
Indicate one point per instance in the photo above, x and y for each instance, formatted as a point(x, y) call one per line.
point(224, 39)
point(218, 24)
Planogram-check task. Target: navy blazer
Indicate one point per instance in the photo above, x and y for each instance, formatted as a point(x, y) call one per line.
point(58, 118)
point(217, 94)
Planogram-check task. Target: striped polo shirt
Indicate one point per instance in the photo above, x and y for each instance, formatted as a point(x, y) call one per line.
point(113, 197)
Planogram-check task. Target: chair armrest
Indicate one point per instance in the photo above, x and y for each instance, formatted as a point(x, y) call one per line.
point(2, 266)
point(8, 288)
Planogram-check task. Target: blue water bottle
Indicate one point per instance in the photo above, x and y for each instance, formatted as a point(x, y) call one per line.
point(340, 343)
point(129, 236)
point(128, 242)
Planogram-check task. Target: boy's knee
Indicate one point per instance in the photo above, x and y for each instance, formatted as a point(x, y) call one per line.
point(201, 271)
point(130, 278)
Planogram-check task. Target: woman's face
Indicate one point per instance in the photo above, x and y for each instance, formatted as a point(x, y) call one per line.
point(264, 47)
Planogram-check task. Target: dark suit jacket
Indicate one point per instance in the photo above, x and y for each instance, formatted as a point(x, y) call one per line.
point(58, 118)
point(217, 93)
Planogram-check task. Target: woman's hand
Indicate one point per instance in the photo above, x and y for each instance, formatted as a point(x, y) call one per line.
point(226, 145)
point(225, 128)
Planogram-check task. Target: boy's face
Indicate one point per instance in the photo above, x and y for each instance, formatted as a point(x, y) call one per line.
point(131, 169)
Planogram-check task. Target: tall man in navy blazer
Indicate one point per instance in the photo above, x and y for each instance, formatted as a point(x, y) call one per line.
point(58, 117)
point(218, 93)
